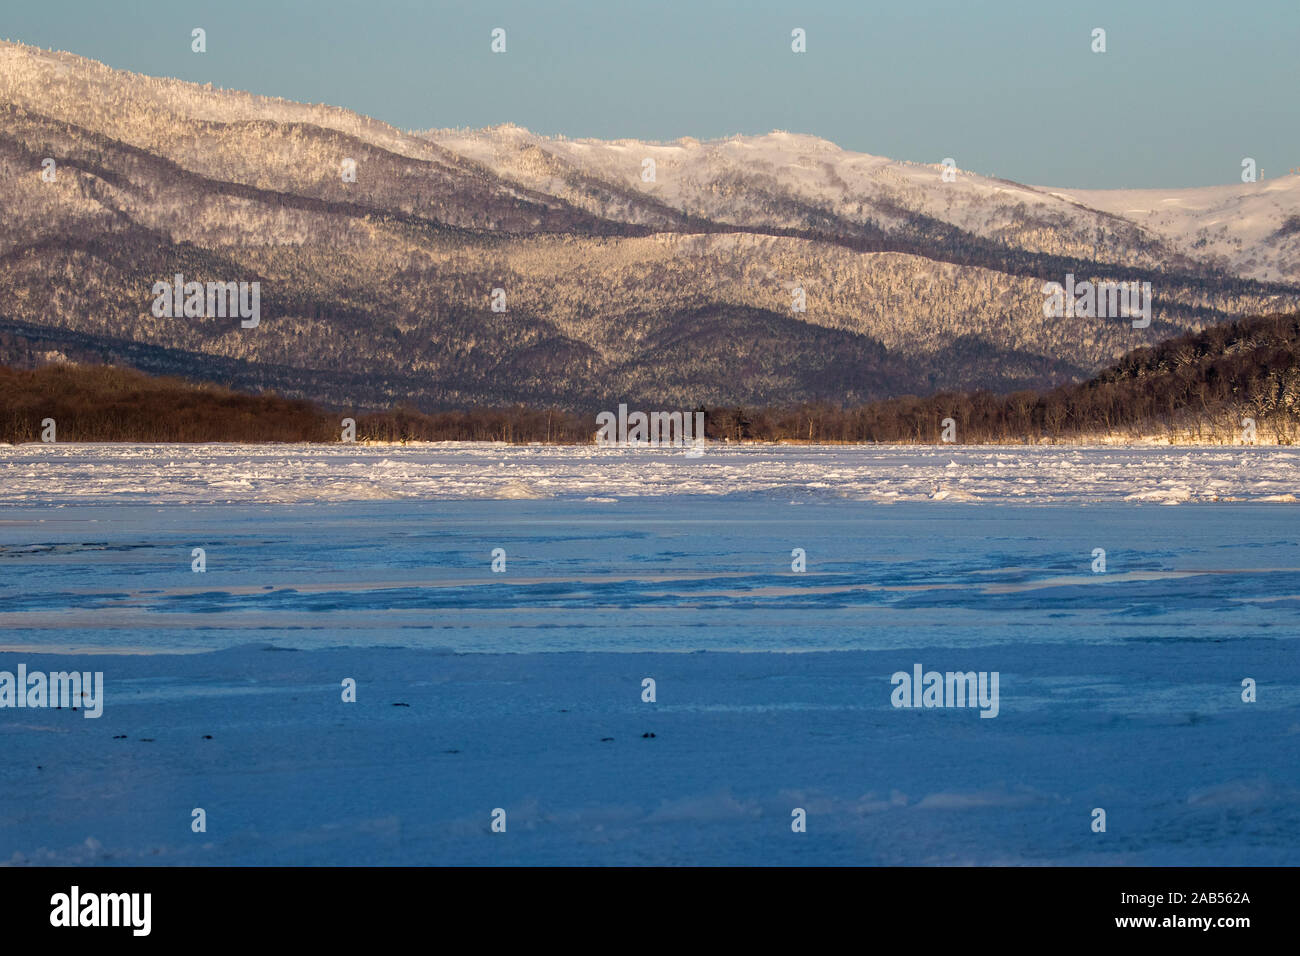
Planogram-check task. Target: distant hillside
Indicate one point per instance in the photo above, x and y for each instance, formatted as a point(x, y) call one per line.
point(1199, 387)
point(1193, 388)
point(672, 291)
point(102, 403)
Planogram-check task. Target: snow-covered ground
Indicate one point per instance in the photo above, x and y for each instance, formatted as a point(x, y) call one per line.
point(1241, 225)
point(521, 689)
point(174, 474)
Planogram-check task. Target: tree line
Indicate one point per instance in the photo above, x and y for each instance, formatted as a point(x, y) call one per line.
point(1195, 387)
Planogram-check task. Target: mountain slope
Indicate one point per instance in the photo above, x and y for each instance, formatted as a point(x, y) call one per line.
point(675, 292)
point(797, 181)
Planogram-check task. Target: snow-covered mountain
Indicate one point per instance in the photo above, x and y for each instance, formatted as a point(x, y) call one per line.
point(1246, 229)
point(498, 266)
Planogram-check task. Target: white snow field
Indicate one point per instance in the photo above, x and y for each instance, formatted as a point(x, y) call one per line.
point(175, 474)
point(1120, 685)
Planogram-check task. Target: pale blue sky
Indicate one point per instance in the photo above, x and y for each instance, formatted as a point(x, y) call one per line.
point(1007, 87)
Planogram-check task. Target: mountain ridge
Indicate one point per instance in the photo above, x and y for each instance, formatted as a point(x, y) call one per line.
point(676, 292)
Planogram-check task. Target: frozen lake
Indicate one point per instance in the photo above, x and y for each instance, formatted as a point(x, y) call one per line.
point(183, 474)
point(522, 689)
point(650, 574)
